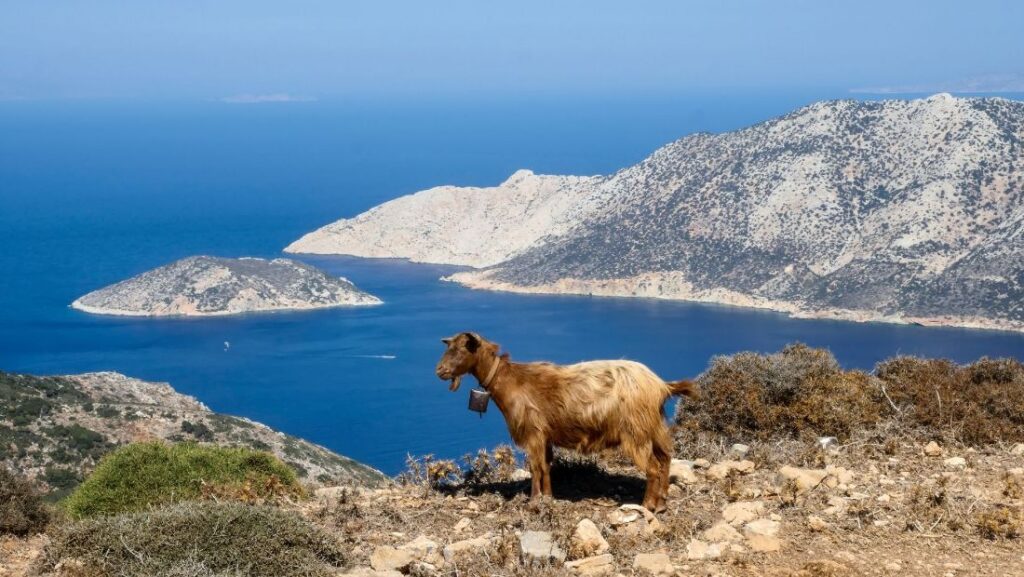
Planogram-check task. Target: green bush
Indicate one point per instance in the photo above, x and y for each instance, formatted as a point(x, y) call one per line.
point(142, 475)
point(21, 507)
point(197, 538)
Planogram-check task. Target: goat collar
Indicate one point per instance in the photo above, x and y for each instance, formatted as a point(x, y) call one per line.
point(490, 374)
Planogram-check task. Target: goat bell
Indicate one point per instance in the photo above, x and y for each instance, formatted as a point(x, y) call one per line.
point(478, 400)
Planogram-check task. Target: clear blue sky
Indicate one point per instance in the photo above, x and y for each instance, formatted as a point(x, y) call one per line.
point(342, 48)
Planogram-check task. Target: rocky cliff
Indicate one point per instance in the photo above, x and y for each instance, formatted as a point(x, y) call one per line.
point(56, 428)
point(205, 285)
point(905, 211)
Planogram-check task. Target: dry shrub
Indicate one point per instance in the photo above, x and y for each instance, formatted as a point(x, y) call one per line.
point(198, 538)
point(494, 467)
point(22, 511)
point(483, 468)
point(795, 392)
point(802, 391)
point(976, 404)
point(1000, 522)
point(1014, 485)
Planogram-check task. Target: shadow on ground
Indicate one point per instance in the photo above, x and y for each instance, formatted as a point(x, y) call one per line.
point(570, 482)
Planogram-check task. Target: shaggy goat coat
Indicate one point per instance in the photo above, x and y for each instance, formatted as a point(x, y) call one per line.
point(587, 407)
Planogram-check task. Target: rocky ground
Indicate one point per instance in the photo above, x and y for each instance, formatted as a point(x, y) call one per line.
point(924, 510)
point(914, 509)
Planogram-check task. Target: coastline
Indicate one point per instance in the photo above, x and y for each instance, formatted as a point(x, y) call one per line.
point(79, 306)
point(671, 286)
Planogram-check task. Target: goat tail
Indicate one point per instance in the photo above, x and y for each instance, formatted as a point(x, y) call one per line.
point(685, 388)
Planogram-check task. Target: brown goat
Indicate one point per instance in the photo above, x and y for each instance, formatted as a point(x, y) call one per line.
point(587, 407)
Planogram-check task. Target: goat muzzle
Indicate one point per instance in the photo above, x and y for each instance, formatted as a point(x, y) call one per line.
point(456, 381)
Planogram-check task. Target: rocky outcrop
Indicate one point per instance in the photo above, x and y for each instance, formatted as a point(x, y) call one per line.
point(461, 225)
point(205, 285)
point(899, 211)
point(55, 429)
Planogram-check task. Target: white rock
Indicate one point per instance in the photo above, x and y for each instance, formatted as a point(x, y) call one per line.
point(763, 527)
point(633, 519)
point(740, 450)
point(741, 512)
point(932, 449)
point(722, 531)
point(587, 540)
point(697, 550)
point(462, 525)
point(520, 475)
point(955, 462)
point(1017, 449)
point(467, 546)
point(368, 572)
point(424, 549)
point(596, 565)
point(764, 543)
point(804, 479)
point(816, 523)
point(681, 471)
point(654, 563)
point(538, 548)
point(721, 470)
point(386, 558)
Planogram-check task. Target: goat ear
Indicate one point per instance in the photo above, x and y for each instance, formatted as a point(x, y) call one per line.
point(472, 342)
point(447, 340)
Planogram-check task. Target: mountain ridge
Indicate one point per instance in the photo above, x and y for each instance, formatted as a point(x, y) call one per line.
point(892, 210)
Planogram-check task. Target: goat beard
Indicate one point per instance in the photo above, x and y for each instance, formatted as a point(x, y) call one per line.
point(456, 381)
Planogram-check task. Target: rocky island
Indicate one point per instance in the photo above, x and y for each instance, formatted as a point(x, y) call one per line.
point(206, 285)
point(898, 211)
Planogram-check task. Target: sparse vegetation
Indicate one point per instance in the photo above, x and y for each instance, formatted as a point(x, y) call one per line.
point(803, 392)
point(977, 404)
point(197, 539)
point(142, 475)
point(798, 391)
point(22, 511)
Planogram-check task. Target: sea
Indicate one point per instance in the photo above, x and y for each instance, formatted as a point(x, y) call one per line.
point(93, 192)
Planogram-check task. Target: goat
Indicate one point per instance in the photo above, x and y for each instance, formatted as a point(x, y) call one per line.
point(587, 407)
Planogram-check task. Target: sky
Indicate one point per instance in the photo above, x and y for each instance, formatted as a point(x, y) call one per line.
point(262, 50)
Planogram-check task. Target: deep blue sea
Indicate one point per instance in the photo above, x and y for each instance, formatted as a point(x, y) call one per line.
point(94, 192)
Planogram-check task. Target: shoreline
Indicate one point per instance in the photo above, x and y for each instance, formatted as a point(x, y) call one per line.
point(650, 286)
point(79, 306)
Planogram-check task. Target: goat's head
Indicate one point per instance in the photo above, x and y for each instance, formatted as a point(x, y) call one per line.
point(460, 357)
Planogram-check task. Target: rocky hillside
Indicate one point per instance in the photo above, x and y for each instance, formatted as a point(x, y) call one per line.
point(906, 211)
point(205, 285)
point(55, 429)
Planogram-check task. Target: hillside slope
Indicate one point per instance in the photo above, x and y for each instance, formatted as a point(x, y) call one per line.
point(891, 210)
point(56, 428)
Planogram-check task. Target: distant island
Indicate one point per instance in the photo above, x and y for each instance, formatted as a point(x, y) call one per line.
point(55, 429)
point(206, 285)
point(898, 211)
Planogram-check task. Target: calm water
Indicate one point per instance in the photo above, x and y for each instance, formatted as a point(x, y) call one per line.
point(93, 193)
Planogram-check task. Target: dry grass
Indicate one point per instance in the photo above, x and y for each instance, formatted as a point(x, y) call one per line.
point(196, 539)
point(22, 511)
